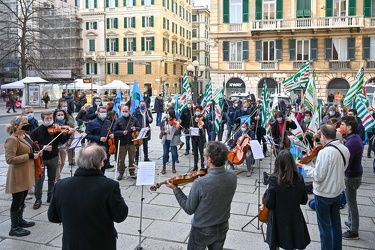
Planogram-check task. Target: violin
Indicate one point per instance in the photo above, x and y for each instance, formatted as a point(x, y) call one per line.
point(182, 179)
point(111, 146)
point(311, 155)
point(174, 122)
point(58, 130)
point(38, 162)
point(263, 212)
point(238, 154)
point(199, 121)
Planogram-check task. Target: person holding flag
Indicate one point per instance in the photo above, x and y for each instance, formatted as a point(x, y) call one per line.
point(304, 125)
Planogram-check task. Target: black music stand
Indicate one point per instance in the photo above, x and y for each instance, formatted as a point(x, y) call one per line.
point(76, 143)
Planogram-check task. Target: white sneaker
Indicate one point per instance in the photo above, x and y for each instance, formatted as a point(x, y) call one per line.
point(28, 197)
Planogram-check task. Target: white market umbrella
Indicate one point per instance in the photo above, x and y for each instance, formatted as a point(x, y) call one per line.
point(116, 84)
point(33, 80)
point(13, 85)
point(79, 84)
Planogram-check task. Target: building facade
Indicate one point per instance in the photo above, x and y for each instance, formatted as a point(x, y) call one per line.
point(144, 40)
point(251, 40)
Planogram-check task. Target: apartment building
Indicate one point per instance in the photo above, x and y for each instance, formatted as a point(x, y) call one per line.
point(144, 40)
point(256, 40)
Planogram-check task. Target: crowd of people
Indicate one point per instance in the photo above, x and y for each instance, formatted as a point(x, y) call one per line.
point(337, 167)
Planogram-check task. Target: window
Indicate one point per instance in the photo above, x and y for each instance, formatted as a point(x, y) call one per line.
point(91, 68)
point(166, 68)
point(269, 9)
point(165, 45)
point(188, 49)
point(91, 25)
point(339, 48)
point(174, 69)
point(147, 21)
point(146, 2)
point(268, 51)
point(130, 44)
point(181, 70)
point(112, 68)
point(130, 68)
point(112, 44)
point(235, 51)
point(302, 48)
point(129, 22)
point(112, 23)
point(129, 3)
point(182, 49)
point(194, 18)
point(91, 45)
point(91, 4)
point(303, 8)
point(235, 11)
point(111, 3)
point(368, 50)
point(195, 32)
point(148, 68)
point(194, 46)
point(340, 7)
point(174, 47)
point(148, 43)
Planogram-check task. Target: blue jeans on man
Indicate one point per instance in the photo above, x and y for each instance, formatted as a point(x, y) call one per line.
point(352, 185)
point(329, 222)
point(158, 118)
point(145, 151)
point(212, 237)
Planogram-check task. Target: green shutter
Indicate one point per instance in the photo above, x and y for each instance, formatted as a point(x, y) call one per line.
point(279, 9)
point(116, 44)
point(225, 11)
point(134, 44)
point(95, 68)
point(292, 49)
point(313, 49)
point(142, 43)
point(142, 2)
point(152, 43)
point(279, 49)
point(106, 3)
point(107, 23)
point(95, 4)
point(225, 51)
point(133, 22)
point(107, 44)
point(87, 4)
point(116, 23)
point(116, 68)
point(143, 21)
point(125, 44)
point(87, 69)
point(124, 3)
point(367, 9)
point(87, 25)
point(351, 48)
point(258, 10)
point(164, 21)
point(125, 22)
point(352, 7)
point(108, 68)
point(152, 2)
point(329, 9)
point(258, 50)
point(130, 68)
point(152, 21)
point(307, 10)
point(328, 48)
point(245, 11)
point(116, 3)
point(95, 25)
point(300, 8)
point(134, 2)
point(366, 48)
point(245, 50)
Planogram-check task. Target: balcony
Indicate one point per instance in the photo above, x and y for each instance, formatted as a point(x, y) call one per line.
point(299, 64)
point(370, 64)
point(268, 65)
point(129, 53)
point(307, 23)
point(148, 52)
point(235, 65)
point(89, 55)
point(339, 64)
point(112, 53)
point(235, 27)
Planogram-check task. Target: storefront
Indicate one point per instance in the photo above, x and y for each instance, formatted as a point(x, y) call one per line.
point(235, 85)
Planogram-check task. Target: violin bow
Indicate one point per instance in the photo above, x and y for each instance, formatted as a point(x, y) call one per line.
point(44, 147)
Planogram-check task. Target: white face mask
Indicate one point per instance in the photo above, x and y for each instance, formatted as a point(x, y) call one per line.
point(332, 113)
point(236, 105)
point(243, 129)
point(279, 119)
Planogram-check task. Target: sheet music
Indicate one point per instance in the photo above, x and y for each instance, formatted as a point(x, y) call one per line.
point(76, 141)
point(256, 149)
point(142, 134)
point(269, 139)
point(194, 131)
point(146, 173)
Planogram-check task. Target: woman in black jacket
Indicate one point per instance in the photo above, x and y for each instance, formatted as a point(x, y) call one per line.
point(286, 192)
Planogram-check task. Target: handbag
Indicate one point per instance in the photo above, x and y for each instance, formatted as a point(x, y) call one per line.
point(161, 135)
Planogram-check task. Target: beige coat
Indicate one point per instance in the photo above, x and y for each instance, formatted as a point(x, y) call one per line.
point(21, 172)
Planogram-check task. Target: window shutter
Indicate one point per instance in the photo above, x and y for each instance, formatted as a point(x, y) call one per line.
point(125, 22)
point(124, 3)
point(87, 4)
point(107, 23)
point(366, 48)
point(107, 44)
point(307, 10)
point(279, 9)
point(279, 49)
point(95, 68)
point(225, 51)
point(300, 9)
point(95, 25)
point(116, 45)
point(134, 2)
point(152, 43)
point(133, 22)
point(245, 50)
point(258, 50)
point(108, 68)
point(225, 11)
point(116, 3)
point(152, 21)
point(116, 68)
point(131, 68)
point(87, 25)
point(152, 2)
point(125, 44)
point(142, 2)
point(142, 43)
point(367, 9)
point(329, 9)
point(143, 21)
point(95, 4)
point(134, 44)
point(292, 49)
point(351, 48)
point(164, 23)
point(87, 69)
point(258, 10)
point(245, 11)
point(106, 3)
point(352, 7)
point(116, 23)
point(313, 49)
point(328, 48)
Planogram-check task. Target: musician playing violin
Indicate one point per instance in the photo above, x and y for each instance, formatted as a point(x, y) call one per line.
point(50, 154)
point(305, 125)
point(245, 131)
point(186, 122)
point(144, 117)
point(278, 130)
point(209, 200)
point(198, 141)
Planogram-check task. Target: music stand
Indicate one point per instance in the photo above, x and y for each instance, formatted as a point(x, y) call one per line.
point(75, 144)
point(142, 135)
point(189, 134)
point(270, 141)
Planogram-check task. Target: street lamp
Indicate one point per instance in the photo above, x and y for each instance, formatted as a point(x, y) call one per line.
point(279, 79)
point(195, 71)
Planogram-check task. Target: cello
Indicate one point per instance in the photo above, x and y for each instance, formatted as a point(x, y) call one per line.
point(238, 154)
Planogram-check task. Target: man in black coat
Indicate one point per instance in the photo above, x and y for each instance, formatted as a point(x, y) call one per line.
point(87, 204)
point(144, 117)
point(147, 100)
point(187, 122)
point(159, 109)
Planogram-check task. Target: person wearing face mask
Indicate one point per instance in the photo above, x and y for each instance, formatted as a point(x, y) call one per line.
point(91, 113)
point(147, 100)
point(245, 131)
point(29, 112)
point(244, 110)
point(144, 117)
point(186, 122)
point(50, 154)
point(304, 125)
point(19, 154)
point(98, 130)
point(231, 117)
point(361, 129)
point(328, 181)
point(277, 128)
point(198, 141)
point(122, 130)
point(69, 122)
point(331, 114)
point(159, 109)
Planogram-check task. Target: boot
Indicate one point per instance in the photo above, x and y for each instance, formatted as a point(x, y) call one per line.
point(21, 221)
point(164, 171)
point(174, 169)
point(15, 229)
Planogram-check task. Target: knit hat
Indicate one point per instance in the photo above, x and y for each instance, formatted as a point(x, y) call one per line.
point(332, 108)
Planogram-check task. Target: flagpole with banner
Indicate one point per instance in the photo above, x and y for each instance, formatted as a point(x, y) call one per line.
point(356, 87)
point(136, 97)
point(299, 79)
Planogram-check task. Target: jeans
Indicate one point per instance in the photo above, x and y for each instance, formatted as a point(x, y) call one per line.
point(124, 149)
point(212, 237)
point(229, 130)
point(352, 184)
point(166, 146)
point(249, 160)
point(11, 107)
point(329, 223)
point(51, 166)
point(158, 118)
point(187, 139)
point(145, 150)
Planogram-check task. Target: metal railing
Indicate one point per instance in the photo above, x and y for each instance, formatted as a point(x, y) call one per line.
point(370, 64)
point(339, 64)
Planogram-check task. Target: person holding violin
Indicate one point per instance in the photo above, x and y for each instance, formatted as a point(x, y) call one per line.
point(144, 117)
point(48, 137)
point(286, 192)
point(305, 125)
point(198, 141)
point(124, 131)
point(238, 145)
point(19, 154)
point(186, 118)
point(279, 129)
point(209, 200)
point(98, 130)
point(71, 123)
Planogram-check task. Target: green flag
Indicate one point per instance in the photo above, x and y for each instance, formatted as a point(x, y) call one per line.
point(356, 87)
point(299, 79)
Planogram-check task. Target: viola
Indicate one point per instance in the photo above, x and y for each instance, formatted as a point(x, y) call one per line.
point(311, 155)
point(263, 212)
point(111, 146)
point(181, 179)
point(38, 162)
point(134, 136)
point(58, 130)
point(238, 154)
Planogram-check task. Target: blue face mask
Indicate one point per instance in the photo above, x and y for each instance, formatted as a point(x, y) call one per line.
point(197, 113)
point(64, 109)
point(125, 114)
point(30, 116)
point(279, 119)
point(98, 103)
point(143, 107)
point(60, 117)
point(48, 123)
point(102, 115)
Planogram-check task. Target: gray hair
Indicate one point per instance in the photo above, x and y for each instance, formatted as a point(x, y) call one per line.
point(91, 156)
point(217, 151)
point(16, 121)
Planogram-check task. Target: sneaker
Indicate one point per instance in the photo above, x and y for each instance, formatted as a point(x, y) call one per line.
point(349, 235)
point(147, 159)
point(133, 176)
point(28, 197)
point(347, 224)
point(186, 153)
point(181, 145)
point(248, 174)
